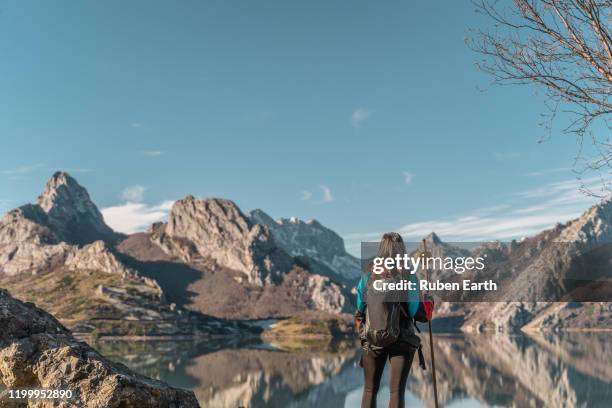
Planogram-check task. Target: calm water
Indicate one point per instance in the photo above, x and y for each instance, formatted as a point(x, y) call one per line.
point(570, 370)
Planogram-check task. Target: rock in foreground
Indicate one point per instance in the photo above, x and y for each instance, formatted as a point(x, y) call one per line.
point(36, 351)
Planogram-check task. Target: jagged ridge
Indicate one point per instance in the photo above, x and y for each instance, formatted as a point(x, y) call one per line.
point(237, 260)
point(311, 240)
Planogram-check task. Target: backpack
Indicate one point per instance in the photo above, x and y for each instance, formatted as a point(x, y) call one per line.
point(382, 320)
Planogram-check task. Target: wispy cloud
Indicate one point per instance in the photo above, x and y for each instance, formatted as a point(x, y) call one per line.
point(136, 124)
point(327, 194)
point(135, 217)
point(562, 191)
point(525, 213)
point(152, 153)
point(306, 195)
point(408, 177)
point(133, 194)
point(359, 116)
point(546, 172)
point(21, 170)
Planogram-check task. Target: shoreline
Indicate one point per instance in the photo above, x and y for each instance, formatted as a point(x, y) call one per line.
point(270, 335)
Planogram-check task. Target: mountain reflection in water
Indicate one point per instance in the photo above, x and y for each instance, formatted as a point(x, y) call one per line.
point(561, 370)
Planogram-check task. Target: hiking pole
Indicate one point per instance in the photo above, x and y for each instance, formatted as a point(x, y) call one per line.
point(431, 345)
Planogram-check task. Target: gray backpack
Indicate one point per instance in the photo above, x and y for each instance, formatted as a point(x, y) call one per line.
point(382, 320)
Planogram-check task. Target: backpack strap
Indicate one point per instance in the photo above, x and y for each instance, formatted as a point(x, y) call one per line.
point(420, 349)
point(421, 357)
point(416, 326)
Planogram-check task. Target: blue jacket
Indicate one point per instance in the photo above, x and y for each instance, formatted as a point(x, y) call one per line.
point(413, 295)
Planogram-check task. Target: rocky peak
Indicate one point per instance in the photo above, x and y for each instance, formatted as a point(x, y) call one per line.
point(593, 226)
point(215, 228)
point(70, 212)
point(61, 189)
point(37, 238)
point(439, 248)
point(433, 239)
point(308, 236)
point(258, 216)
point(310, 239)
point(209, 217)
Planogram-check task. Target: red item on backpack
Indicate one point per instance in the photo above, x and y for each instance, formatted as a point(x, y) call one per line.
point(428, 305)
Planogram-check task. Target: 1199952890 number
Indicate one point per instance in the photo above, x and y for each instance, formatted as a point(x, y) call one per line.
point(39, 394)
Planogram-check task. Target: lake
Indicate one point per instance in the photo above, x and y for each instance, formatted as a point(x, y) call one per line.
point(500, 370)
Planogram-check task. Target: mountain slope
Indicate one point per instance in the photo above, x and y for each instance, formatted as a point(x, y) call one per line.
point(209, 257)
point(232, 267)
point(217, 229)
point(36, 238)
point(310, 240)
point(546, 282)
point(46, 257)
point(71, 214)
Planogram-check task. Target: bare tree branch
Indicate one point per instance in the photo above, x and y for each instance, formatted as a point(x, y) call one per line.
point(564, 47)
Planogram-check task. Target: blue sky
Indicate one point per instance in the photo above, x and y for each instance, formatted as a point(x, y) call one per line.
point(367, 116)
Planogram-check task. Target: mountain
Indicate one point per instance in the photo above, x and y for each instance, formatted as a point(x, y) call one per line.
point(71, 214)
point(38, 237)
point(216, 229)
point(47, 256)
point(36, 351)
point(550, 281)
point(236, 267)
point(210, 261)
point(317, 245)
point(437, 248)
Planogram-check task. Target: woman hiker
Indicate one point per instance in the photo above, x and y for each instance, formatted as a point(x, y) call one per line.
point(385, 323)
